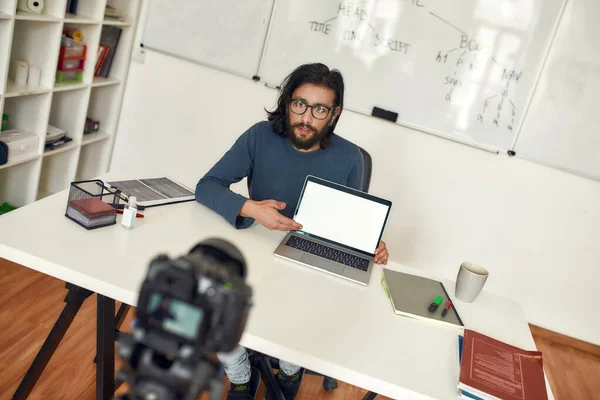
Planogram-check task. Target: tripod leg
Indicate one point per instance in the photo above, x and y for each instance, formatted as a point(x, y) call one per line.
point(74, 299)
point(105, 348)
point(118, 383)
point(266, 373)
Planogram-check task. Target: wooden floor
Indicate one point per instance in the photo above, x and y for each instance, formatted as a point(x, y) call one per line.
point(30, 303)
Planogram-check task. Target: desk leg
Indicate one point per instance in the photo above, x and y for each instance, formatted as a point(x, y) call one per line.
point(121, 314)
point(74, 299)
point(105, 348)
point(370, 396)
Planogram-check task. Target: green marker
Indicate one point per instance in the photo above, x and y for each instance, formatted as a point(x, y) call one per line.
point(436, 303)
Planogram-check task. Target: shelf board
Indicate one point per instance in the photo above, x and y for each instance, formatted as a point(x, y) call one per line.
point(102, 81)
point(94, 137)
point(20, 160)
point(14, 90)
point(25, 16)
point(5, 16)
point(61, 87)
point(79, 19)
point(43, 193)
point(62, 149)
point(115, 22)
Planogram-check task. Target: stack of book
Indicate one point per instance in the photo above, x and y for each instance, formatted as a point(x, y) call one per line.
point(112, 13)
point(492, 370)
point(91, 213)
point(55, 137)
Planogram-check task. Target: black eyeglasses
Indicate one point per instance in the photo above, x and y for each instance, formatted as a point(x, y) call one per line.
point(318, 111)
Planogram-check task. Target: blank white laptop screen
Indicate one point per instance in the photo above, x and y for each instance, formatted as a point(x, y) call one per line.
point(341, 217)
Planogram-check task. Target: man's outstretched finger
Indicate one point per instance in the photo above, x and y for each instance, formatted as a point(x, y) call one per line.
point(290, 224)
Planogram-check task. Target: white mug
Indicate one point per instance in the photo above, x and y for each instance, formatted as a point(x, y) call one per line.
point(469, 281)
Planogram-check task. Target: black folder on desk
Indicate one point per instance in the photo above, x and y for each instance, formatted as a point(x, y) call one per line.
point(155, 191)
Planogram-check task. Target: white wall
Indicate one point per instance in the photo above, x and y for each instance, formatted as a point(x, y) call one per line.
point(537, 230)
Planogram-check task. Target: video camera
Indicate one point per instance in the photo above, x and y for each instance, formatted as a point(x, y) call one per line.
point(188, 309)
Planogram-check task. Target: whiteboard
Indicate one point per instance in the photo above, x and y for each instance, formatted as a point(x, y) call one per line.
point(562, 127)
point(461, 69)
point(224, 34)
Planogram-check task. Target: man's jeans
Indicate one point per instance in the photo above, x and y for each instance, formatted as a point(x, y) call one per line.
point(237, 365)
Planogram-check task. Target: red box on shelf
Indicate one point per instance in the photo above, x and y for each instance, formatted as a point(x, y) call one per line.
point(71, 65)
point(72, 53)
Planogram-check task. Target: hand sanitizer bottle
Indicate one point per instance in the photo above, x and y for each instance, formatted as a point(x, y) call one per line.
point(129, 213)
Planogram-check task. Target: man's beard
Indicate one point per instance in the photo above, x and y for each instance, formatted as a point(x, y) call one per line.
point(306, 142)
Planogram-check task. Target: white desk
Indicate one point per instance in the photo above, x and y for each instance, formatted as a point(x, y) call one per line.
point(326, 324)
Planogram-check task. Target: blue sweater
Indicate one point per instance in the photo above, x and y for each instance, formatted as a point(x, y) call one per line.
point(275, 171)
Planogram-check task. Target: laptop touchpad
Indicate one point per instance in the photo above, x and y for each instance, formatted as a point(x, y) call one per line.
point(322, 263)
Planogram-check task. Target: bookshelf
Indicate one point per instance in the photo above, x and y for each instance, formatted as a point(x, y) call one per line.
point(37, 38)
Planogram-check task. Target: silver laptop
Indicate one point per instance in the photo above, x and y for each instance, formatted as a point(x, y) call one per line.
point(341, 229)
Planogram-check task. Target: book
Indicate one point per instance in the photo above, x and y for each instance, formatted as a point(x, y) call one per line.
point(72, 6)
point(109, 37)
point(154, 191)
point(101, 57)
point(53, 144)
point(463, 393)
point(491, 369)
point(112, 13)
point(53, 133)
point(411, 296)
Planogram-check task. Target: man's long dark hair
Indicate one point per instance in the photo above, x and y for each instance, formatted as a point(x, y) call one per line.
point(316, 74)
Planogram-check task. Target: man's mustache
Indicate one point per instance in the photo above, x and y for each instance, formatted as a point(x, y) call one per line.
point(301, 125)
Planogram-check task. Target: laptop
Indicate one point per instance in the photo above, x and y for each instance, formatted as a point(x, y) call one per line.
point(341, 229)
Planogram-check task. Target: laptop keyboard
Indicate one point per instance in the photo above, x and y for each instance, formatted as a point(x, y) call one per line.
point(327, 252)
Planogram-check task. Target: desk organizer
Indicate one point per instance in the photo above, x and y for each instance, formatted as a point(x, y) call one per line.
point(92, 205)
point(71, 62)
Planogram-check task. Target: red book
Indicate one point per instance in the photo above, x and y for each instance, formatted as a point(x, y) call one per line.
point(101, 58)
point(493, 369)
point(92, 207)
